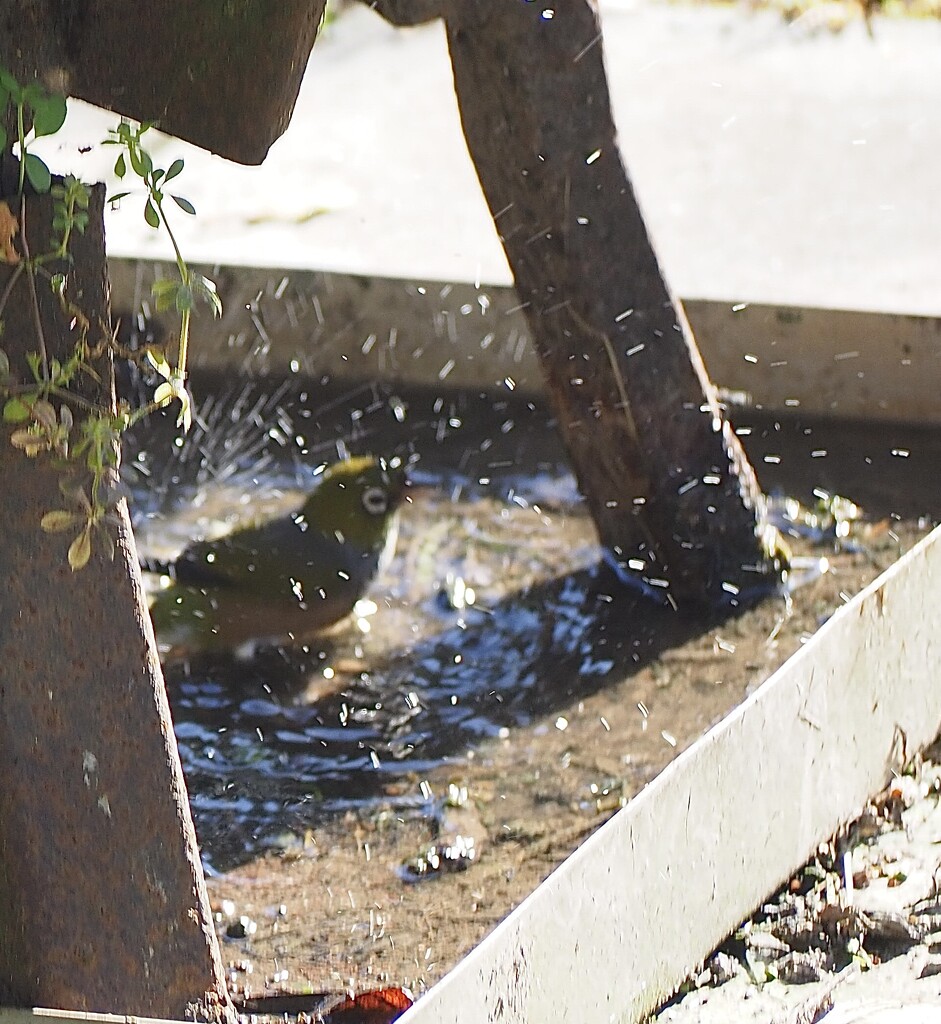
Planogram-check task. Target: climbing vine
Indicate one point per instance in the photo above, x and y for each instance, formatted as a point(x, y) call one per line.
point(49, 414)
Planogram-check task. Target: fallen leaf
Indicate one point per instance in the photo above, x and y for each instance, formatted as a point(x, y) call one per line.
point(9, 226)
point(380, 1006)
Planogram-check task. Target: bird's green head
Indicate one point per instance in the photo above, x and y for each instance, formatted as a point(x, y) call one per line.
point(357, 500)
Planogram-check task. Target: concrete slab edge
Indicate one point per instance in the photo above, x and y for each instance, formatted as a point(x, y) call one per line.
point(41, 1015)
point(839, 363)
point(614, 930)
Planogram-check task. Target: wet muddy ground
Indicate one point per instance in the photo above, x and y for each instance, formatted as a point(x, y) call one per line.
point(370, 808)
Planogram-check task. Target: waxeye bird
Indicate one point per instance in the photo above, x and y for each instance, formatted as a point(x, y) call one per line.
point(286, 579)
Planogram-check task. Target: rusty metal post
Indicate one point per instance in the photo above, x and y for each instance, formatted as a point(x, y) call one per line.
point(103, 905)
point(224, 76)
point(668, 485)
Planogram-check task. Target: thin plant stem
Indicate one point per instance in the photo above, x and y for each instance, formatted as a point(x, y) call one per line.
point(30, 276)
point(184, 342)
point(184, 277)
point(73, 399)
point(9, 286)
point(67, 234)
point(21, 135)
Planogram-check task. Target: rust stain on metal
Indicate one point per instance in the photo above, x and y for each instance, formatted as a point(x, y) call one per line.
point(183, 78)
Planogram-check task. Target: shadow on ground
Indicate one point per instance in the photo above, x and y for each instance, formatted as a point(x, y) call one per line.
point(263, 760)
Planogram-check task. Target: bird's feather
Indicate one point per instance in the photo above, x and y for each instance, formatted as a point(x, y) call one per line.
point(286, 578)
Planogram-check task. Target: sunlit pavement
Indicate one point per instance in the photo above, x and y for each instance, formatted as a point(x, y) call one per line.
point(775, 163)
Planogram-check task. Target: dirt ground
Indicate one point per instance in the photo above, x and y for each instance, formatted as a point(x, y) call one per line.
point(855, 932)
point(354, 901)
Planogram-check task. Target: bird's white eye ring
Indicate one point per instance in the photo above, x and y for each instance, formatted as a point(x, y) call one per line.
point(375, 501)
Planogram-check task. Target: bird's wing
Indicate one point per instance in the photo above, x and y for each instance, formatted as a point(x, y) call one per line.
point(220, 563)
point(257, 556)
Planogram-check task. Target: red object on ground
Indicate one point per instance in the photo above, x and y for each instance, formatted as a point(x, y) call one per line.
point(380, 1006)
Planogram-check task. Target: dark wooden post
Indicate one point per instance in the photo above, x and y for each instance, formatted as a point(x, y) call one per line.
point(665, 478)
point(669, 487)
point(103, 906)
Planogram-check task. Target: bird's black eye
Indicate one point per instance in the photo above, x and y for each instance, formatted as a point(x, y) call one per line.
point(375, 501)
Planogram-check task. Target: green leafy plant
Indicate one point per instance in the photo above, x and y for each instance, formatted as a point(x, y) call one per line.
point(180, 295)
point(47, 112)
point(50, 416)
point(70, 212)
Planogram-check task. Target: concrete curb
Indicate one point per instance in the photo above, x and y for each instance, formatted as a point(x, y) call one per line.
point(615, 929)
point(841, 363)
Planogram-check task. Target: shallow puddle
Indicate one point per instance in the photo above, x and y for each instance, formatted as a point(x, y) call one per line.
point(501, 665)
point(495, 610)
point(494, 613)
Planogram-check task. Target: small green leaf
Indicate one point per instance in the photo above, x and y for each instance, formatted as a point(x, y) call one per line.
point(4, 365)
point(33, 93)
point(15, 411)
point(60, 519)
point(11, 86)
point(120, 168)
point(205, 288)
point(184, 298)
point(38, 173)
point(174, 389)
point(165, 300)
point(80, 550)
point(48, 114)
point(185, 419)
point(164, 394)
point(185, 205)
point(158, 361)
point(151, 215)
point(117, 197)
point(164, 286)
point(174, 169)
point(34, 361)
point(141, 162)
